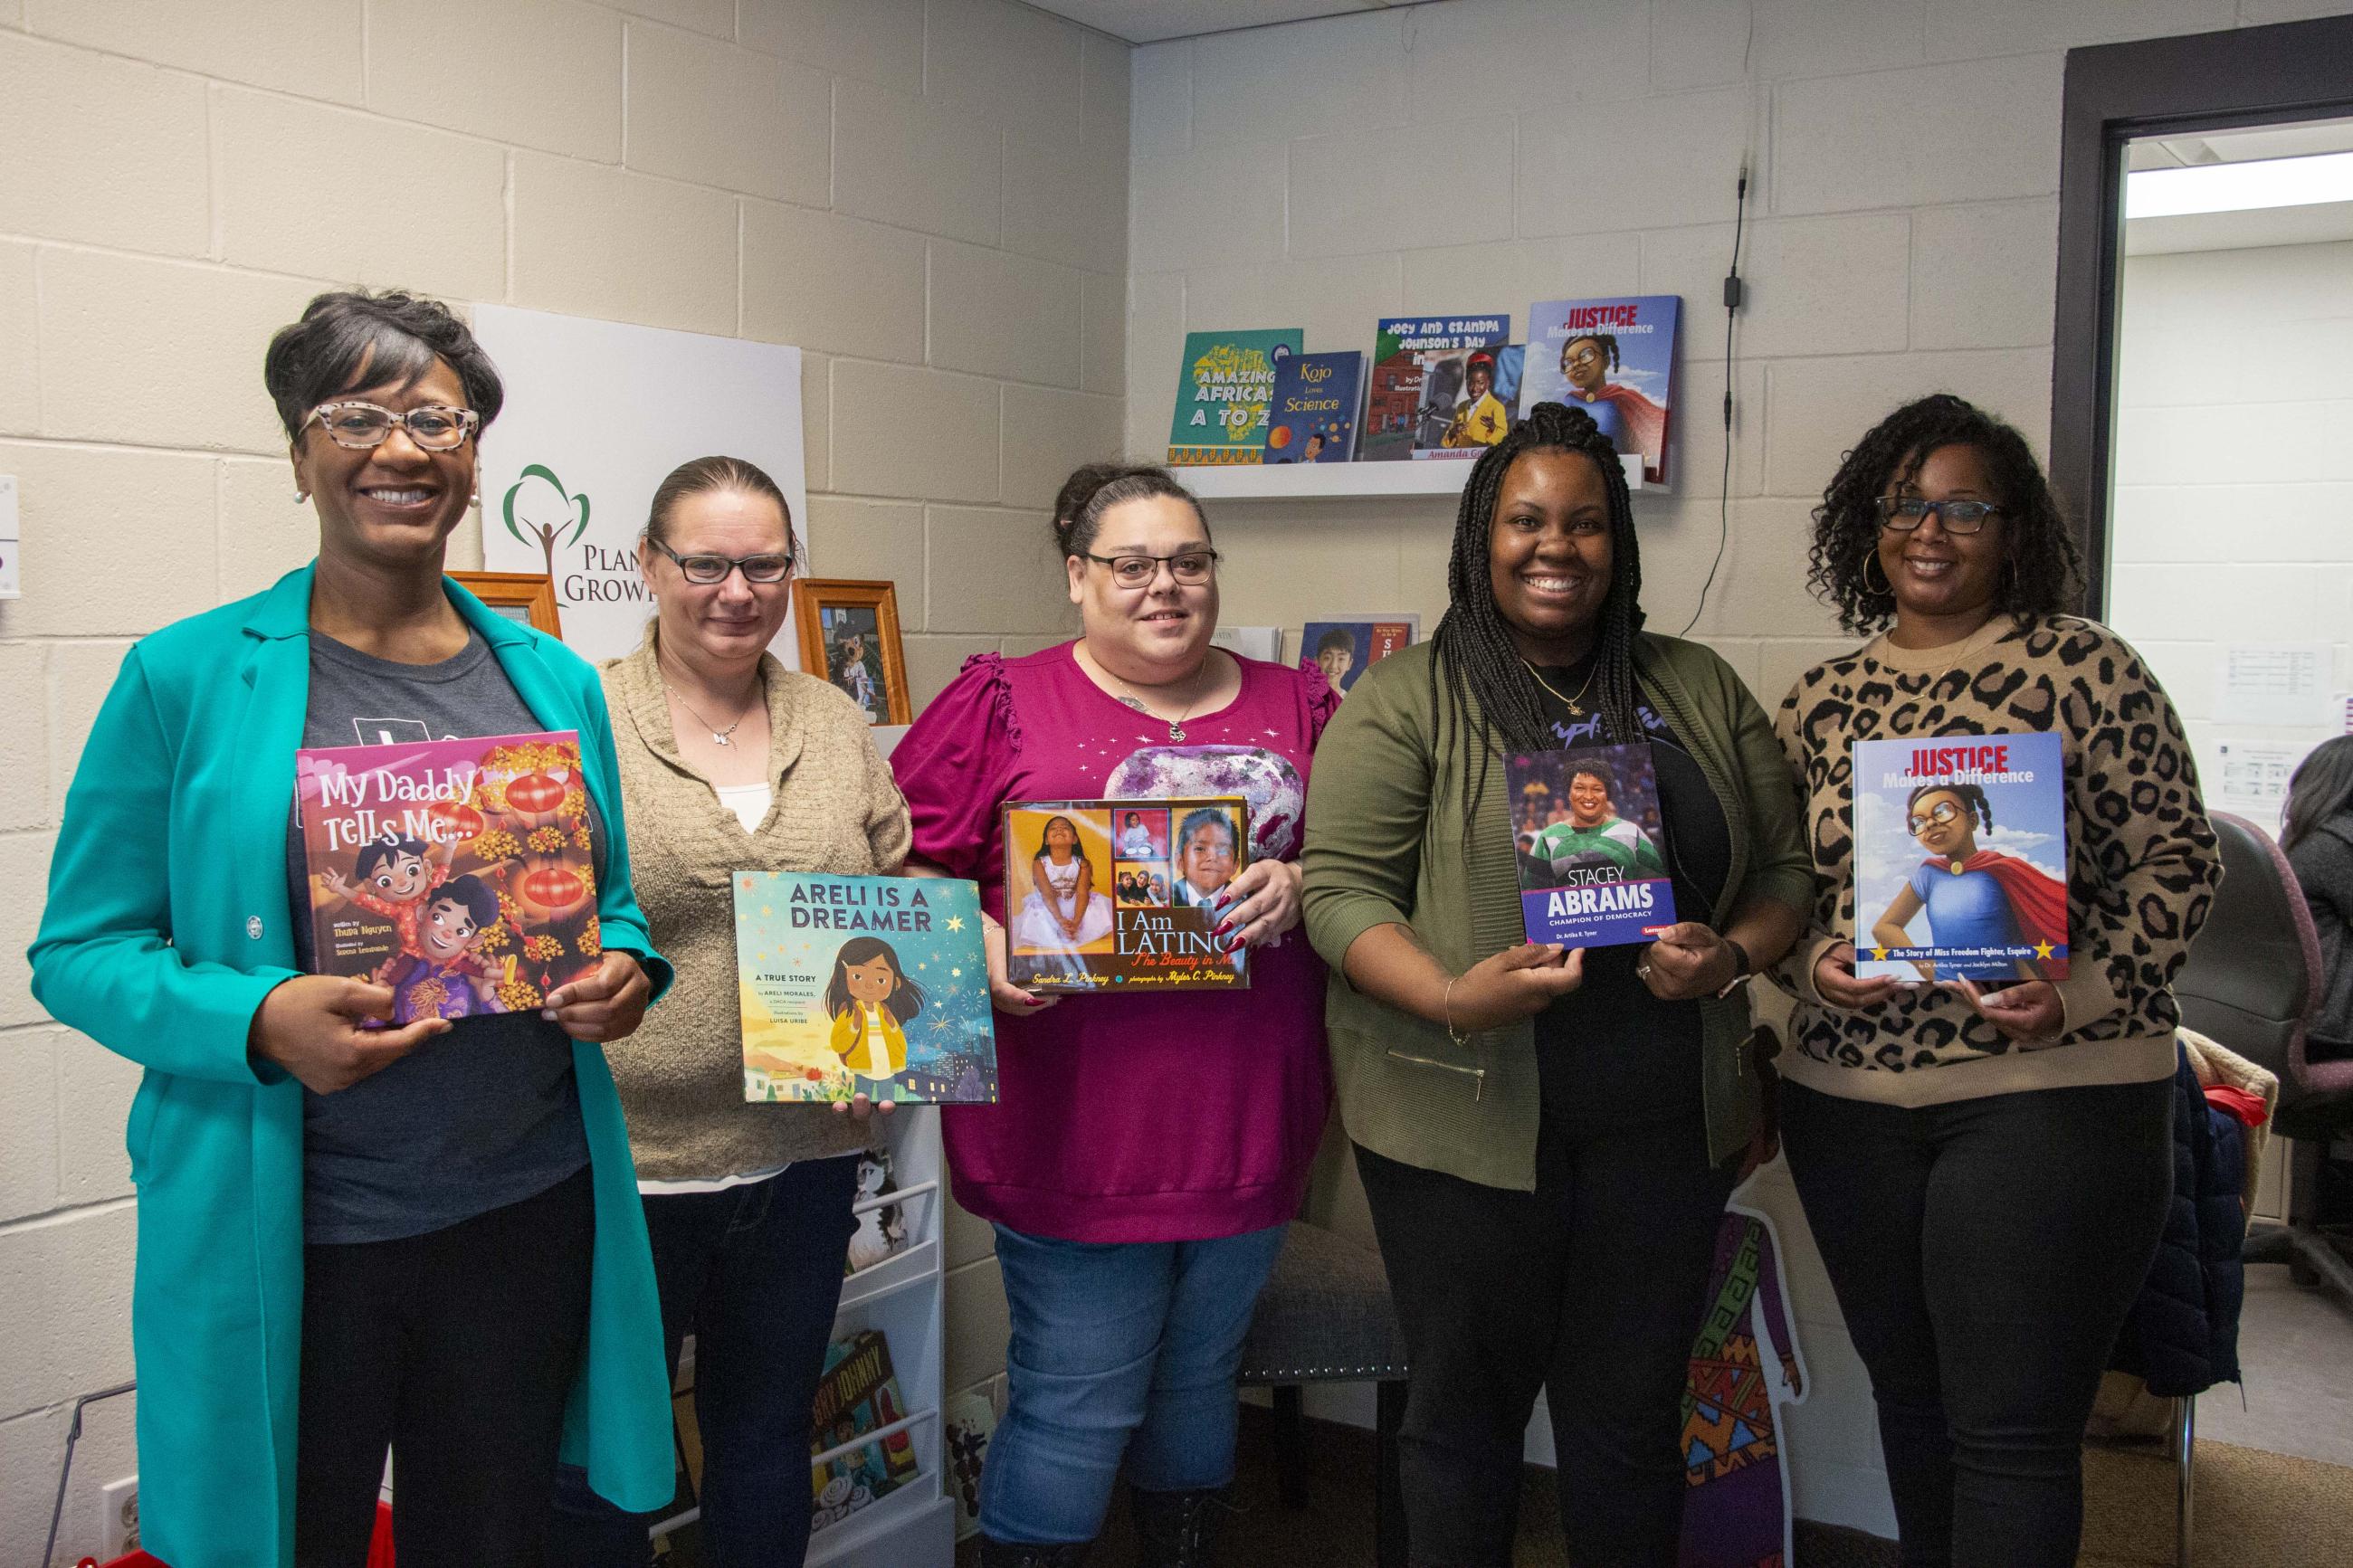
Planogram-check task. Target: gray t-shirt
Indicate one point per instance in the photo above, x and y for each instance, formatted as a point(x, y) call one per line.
point(485, 1115)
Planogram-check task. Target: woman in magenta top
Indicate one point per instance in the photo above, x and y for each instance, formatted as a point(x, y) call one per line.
point(1176, 1129)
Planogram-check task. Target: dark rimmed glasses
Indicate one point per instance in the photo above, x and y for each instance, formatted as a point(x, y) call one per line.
point(1938, 814)
point(1191, 568)
point(363, 426)
point(705, 569)
point(1904, 514)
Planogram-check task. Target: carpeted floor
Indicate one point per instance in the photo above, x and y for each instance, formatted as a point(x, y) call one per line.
point(2253, 1510)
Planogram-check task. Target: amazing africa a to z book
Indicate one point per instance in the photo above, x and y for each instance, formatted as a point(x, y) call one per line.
point(1225, 386)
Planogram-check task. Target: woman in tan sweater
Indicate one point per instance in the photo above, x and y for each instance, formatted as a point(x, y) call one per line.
point(730, 761)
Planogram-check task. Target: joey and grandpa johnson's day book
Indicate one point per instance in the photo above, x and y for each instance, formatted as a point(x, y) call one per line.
point(1614, 359)
point(1591, 847)
point(457, 872)
point(1224, 386)
point(1435, 387)
point(1960, 859)
point(1317, 398)
point(872, 985)
point(858, 1393)
point(1120, 895)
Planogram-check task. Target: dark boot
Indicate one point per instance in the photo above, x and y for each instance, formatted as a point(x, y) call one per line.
point(1030, 1554)
point(1174, 1530)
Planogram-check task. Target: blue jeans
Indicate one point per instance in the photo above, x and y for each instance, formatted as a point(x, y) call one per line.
point(754, 1272)
point(1116, 1347)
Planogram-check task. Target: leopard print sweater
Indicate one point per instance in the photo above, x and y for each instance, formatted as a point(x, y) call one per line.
point(2142, 861)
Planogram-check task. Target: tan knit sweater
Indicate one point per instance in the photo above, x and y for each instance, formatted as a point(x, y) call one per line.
point(835, 809)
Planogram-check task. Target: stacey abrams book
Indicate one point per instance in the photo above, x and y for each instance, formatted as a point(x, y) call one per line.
point(1586, 826)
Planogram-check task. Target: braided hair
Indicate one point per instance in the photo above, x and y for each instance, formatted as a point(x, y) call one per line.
point(1476, 661)
point(2043, 572)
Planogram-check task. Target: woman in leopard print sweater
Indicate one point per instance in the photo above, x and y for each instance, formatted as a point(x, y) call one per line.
point(1987, 1172)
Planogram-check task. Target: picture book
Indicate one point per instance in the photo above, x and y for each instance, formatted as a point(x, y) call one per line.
point(1960, 859)
point(872, 985)
point(1614, 360)
point(881, 1224)
point(1441, 386)
point(1316, 400)
point(856, 1393)
point(1346, 649)
point(971, 1419)
point(1224, 388)
point(457, 872)
point(1593, 849)
point(1121, 895)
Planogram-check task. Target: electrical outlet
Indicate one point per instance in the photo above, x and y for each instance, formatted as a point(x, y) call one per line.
point(118, 1529)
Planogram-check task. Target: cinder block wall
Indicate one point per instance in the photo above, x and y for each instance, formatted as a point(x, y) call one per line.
point(927, 195)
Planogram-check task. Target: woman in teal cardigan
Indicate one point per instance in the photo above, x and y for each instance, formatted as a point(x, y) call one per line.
point(428, 1236)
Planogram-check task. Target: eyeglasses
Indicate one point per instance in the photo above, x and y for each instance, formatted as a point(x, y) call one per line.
point(1943, 812)
point(1904, 514)
point(1189, 567)
point(706, 570)
point(364, 426)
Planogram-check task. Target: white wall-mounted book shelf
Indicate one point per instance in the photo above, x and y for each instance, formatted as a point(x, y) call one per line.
point(1344, 481)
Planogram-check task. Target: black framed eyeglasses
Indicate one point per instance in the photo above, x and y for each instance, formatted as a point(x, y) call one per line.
point(705, 569)
point(1943, 812)
point(363, 426)
point(1189, 567)
point(1904, 514)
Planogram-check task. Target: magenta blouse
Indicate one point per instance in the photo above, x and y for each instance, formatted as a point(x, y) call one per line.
point(1177, 1117)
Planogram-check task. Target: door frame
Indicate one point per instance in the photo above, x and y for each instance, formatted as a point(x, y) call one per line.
point(2115, 92)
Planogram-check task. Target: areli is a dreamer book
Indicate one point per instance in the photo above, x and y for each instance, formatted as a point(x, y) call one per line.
point(1122, 895)
point(1591, 847)
point(457, 872)
point(1960, 859)
point(872, 985)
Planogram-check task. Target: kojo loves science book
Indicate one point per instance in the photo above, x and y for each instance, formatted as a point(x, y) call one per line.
point(1120, 895)
point(1316, 400)
point(1225, 385)
point(1960, 859)
point(457, 872)
point(1591, 847)
point(872, 985)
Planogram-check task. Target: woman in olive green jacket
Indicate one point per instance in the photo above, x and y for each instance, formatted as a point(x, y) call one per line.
point(1546, 1137)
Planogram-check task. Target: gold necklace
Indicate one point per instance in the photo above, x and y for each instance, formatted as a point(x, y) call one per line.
point(1568, 702)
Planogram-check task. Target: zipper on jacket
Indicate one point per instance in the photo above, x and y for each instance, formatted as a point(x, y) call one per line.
point(1479, 1075)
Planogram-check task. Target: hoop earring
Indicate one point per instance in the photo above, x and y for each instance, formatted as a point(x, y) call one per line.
point(1884, 586)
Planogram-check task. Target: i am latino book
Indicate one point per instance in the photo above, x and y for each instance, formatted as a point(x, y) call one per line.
point(872, 985)
point(1122, 895)
point(1960, 859)
point(457, 872)
point(1591, 846)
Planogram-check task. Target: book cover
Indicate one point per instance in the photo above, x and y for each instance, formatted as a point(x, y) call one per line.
point(1224, 387)
point(971, 1422)
point(1591, 847)
point(1960, 859)
point(872, 985)
point(858, 1393)
point(456, 872)
point(1116, 895)
point(1317, 398)
point(1441, 386)
point(1615, 359)
point(1346, 649)
point(881, 1224)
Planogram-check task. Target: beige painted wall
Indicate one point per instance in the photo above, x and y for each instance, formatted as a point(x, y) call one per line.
point(927, 195)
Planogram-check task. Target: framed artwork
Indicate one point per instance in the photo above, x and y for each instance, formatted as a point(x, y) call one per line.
point(525, 596)
point(849, 636)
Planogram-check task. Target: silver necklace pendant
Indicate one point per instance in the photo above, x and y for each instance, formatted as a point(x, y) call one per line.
point(719, 740)
point(1176, 731)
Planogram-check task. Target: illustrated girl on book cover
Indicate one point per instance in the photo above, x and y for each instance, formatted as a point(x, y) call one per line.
point(1063, 912)
point(870, 1000)
point(1631, 421)
point(1973, 898)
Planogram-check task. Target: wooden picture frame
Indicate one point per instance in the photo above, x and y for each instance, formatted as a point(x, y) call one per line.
point(531, 593)
point(867, 607)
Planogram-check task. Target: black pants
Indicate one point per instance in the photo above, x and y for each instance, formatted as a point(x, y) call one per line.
point(456, 1348)
point(1591, 1288)
point(754, 1273)
point(1985, 1253)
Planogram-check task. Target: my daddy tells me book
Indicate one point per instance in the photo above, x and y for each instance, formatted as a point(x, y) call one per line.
point(872, 985)
point(460, 873)
point(1591, 847)
point(1224, 388)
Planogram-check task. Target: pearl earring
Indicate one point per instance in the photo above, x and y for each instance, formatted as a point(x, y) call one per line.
point(301, 496)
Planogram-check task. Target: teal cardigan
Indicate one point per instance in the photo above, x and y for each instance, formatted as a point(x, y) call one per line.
point(168, 921)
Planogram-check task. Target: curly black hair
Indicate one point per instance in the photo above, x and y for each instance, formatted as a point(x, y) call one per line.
point(389, 337)
point(2043, 572)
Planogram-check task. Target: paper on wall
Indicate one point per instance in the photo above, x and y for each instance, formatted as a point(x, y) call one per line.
point(2275, 683)
point(2254, 777)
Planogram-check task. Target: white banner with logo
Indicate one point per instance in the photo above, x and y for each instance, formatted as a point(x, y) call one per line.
point(597, 414)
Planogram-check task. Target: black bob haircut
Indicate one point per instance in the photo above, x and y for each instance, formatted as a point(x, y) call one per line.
point(349, 340)
point(375, 854)
point(1594, 768)
point(1338, 637)
point(2042, 569)
point(472, 894)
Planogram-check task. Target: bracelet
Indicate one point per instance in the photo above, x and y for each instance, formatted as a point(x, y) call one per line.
point(1447, 1004)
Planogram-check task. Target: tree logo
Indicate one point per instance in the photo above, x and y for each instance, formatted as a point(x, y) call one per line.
point(570, 512)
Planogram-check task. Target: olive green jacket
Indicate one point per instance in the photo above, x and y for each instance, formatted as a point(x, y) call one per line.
point(1386, 844)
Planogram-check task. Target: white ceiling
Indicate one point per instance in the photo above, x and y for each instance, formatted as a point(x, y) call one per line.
point(1149, 21)
point(2318, 223)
